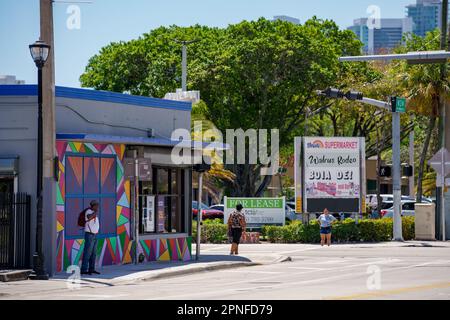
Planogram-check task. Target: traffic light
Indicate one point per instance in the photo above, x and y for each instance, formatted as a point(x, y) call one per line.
point(407, 171)
point(354, 95)
point(333, 93)
point(385, 172)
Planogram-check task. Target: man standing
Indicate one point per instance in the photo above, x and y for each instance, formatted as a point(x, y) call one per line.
point(91, 229)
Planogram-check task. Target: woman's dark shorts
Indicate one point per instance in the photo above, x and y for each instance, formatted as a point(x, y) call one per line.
point(236, 234)
point(325, 230)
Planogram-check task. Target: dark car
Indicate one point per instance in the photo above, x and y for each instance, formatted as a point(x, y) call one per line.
point(207, 213)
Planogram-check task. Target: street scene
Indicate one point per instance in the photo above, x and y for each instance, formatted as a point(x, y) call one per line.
point(226, 151)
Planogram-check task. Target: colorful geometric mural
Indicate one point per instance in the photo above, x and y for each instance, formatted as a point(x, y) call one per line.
point(178, 249)
point(117, 249)
point(110, 250)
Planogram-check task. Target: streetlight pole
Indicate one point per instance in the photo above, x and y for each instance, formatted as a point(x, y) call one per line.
point(425, 57)
point(396, 137)
point(39, 52)
point(184, 45)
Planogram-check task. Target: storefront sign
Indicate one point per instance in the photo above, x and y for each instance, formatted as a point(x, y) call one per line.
point(149, 214)
point(258, 211)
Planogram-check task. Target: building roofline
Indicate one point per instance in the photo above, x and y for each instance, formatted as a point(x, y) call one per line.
point(98, 95)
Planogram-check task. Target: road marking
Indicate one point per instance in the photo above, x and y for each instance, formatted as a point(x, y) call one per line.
point(383, 293)
point(307, 268)
point(253, 271)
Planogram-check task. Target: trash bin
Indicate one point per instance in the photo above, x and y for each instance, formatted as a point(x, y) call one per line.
point(425, 226)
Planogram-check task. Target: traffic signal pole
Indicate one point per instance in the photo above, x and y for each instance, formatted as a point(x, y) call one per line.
point(396, 140)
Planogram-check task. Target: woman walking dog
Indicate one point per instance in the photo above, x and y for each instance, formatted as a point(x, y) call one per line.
point(236, 225)
point(325, 219)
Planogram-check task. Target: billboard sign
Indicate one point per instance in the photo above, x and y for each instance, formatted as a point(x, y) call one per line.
point(331, 174)
point(332, 168)
point(258, 211)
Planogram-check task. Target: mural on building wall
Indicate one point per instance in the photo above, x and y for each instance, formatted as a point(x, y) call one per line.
point(165, 249)
point(112, 249)
point(94, 171)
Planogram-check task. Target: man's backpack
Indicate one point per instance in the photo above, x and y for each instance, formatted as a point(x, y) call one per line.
point(82, 218)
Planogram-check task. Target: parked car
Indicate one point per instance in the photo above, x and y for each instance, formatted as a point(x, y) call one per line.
point(219, 207)
point(290, 214)
point(207, 213)
point(408, 207)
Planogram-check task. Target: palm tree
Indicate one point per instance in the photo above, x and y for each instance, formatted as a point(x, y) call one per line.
point(214, 179)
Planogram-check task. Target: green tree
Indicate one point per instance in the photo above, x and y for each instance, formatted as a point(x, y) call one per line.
point(259, 75)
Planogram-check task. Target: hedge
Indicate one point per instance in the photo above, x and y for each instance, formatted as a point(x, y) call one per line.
point(367, 230)
point(213, 231)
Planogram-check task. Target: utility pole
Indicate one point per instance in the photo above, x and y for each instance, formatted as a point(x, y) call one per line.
point(49, 136)
point(444, 130)
point(184, 45)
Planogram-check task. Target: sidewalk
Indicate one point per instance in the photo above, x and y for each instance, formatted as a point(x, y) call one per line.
point(213, 257)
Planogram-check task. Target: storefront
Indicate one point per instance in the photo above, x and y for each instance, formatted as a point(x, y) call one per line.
point(96, 132)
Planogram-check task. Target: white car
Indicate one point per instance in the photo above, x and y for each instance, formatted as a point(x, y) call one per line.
point(408, 207)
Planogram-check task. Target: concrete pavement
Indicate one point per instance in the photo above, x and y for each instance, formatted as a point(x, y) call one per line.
point(409, 270)
point(131, 273)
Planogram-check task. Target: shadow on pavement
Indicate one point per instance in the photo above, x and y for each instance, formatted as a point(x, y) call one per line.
point(115, 271)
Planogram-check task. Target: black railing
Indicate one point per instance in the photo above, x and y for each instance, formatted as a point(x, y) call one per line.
point(15, 230)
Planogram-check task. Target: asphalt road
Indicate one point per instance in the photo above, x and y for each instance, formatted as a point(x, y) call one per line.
point(363, 271)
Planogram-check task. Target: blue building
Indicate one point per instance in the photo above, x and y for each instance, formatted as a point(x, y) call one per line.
point(383, 39)
point(426, 16)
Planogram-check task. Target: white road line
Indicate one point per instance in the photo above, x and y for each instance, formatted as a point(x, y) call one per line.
point(254, 271)
point(307, 268)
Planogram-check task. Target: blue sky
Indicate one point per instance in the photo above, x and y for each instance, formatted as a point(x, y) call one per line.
point(105, 21)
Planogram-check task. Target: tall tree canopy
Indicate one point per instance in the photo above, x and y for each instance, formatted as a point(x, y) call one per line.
point(252, 75)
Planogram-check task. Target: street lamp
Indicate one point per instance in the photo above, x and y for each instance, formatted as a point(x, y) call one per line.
point(39, 52)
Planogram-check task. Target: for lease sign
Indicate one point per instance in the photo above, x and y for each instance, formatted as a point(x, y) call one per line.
point(332, 167)
point(258, 211)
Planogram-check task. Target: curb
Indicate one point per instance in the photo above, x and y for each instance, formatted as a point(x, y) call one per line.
point(180, 271)
point(16, 275)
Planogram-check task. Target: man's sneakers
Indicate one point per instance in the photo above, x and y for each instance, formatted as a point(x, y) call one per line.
point(95, 272)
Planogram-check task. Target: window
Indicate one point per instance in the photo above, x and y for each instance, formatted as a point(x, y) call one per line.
point(167, 188)
point(90, 178)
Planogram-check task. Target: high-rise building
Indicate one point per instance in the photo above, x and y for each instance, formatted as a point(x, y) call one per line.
point(426, 16)
point(287, 18)
point(384, 37)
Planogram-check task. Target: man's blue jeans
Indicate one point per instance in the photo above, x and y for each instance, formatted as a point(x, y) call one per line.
point(89, 253)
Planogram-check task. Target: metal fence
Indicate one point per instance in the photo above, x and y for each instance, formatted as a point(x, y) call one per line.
point(15, 230)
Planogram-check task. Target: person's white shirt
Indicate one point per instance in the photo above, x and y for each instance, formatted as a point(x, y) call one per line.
point(93, 225)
